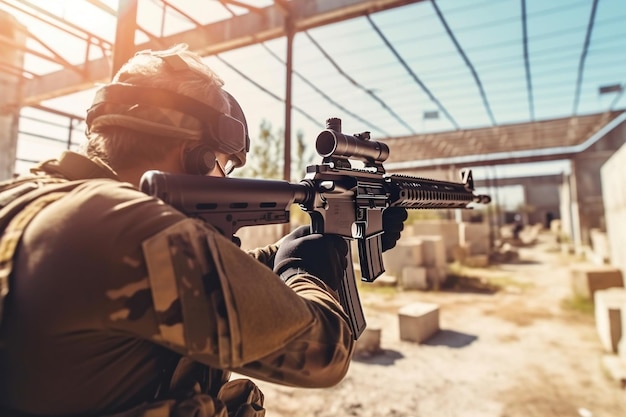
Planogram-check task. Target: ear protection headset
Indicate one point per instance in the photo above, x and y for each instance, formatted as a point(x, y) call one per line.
point(200, 159)
point(220, 132)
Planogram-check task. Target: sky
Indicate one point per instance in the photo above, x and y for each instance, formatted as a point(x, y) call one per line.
point(365, 82)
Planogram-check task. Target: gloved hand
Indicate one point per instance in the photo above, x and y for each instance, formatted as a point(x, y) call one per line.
point(301, 231)
point(323, 256)
point(393, 224)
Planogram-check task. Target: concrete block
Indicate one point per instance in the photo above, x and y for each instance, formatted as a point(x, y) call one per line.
point(477, 261)
point(460, 253)
point(418, 321)
point(436, 276)
point(407, 252)
point(616, 368)
point(609, 305)
point(621, 346)
point(448, 230)
point(587, 279)
point(368, 343)
point(504, 254)
point(414, 278)
point(433, 251)
point(601, 253)
point(476, 237)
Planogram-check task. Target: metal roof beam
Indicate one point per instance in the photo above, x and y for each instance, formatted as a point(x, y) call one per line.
point(243, 5)
point(213, 38)
point(11, 69)
point(529, 84)
point(57, 112)
point(102, 6)
point(56, 59)
point(554, 179)
point(413, 75)
point(55, 21)
point(466, 59)
point(583, 56)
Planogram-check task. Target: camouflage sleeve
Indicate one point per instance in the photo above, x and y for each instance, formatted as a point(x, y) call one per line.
point(265, 255)
point(323, 350)
point(218, 305)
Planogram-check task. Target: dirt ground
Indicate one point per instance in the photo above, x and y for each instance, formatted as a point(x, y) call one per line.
point(512, 344)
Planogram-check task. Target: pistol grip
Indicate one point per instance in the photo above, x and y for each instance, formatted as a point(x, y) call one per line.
point(371, 257)
point(349, 298)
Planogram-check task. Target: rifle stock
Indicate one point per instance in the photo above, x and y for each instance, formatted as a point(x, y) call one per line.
point(338, 198)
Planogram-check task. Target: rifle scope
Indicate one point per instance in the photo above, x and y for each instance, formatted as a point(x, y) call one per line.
point(331, 142)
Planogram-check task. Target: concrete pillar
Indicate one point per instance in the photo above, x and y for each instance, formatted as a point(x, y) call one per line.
point(613, 180)
point(588, 189)
point(525, 214)
point(574, 209)
point(567, 226)
point(11, 87)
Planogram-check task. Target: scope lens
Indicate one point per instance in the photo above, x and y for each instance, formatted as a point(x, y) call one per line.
point(326, 143)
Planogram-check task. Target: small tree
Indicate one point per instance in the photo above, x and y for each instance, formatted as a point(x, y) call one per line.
point(265, 156)
point(301, 159)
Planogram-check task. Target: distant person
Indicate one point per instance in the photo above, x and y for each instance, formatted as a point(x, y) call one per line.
point(518, 226)
point(116, 304)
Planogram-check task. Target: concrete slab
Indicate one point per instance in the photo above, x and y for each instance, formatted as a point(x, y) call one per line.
point(476, 237)
point(447, 229)
point(414, 278)
point(418, 321)
point(587, 279)
point(609, 305)
point(436, 277)
point(477, 261)
point(368, 343)
point(433, 251)
point(408, 252)
point(616, 368)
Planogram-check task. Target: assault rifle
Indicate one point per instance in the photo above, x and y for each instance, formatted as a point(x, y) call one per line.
point(340, 199)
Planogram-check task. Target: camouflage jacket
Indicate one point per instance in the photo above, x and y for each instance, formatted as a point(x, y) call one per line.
point(109, 288)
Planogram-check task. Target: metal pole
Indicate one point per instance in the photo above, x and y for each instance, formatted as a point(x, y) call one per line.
point(124, 46)
point(289, 29)
point(288, 79)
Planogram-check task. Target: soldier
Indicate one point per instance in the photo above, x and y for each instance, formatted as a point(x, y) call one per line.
point(119, 305)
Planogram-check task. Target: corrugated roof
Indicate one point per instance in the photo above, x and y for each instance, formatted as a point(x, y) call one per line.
point(529, 142)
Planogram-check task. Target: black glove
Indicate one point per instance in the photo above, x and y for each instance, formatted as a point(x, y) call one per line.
point(301, 231)
point(323, 256)
point(393, 224)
